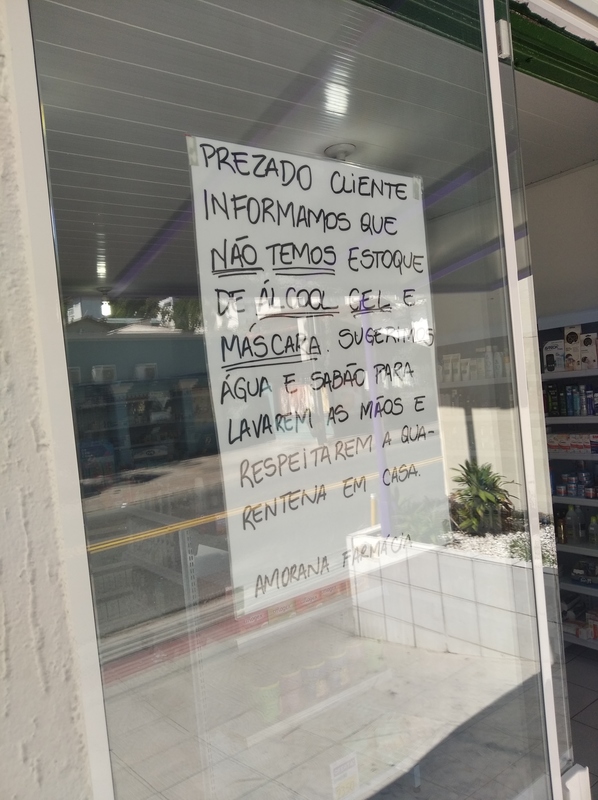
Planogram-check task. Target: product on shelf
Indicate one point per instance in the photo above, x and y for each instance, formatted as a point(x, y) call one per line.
point(582, 630)
point(554, 355)
point(572, 525)
point(582, 443)
point(576, 351)
point(588, 351)
point(573, 400)
point(585, 571)
point(573, 347)
point(465, 369)
point(483, 362)
point(592, 621)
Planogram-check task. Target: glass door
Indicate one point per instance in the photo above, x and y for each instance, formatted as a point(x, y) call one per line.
point(294, 337)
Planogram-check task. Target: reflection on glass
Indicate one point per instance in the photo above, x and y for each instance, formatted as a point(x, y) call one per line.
point(406, 663)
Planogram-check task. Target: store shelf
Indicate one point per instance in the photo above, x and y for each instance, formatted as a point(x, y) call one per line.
point(579, 549)
point(587, 420)
point(573, 457)
point(579, 588)
point(592, 644)
point(133, 426)
point(575, 501)
point(572, 375)
point(477, 382)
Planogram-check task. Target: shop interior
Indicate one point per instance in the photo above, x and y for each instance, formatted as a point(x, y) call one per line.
point(147, 443)
point(562, 230)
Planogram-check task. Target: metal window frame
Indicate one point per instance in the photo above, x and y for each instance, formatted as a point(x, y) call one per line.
point(53, 362)
point(524, 412)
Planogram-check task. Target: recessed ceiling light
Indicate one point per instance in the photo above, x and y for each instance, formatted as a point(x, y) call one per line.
point(336, 98)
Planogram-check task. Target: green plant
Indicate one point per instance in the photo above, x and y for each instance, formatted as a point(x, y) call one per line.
point(481, 504)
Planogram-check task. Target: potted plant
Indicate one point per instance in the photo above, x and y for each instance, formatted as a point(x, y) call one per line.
point(482, 503)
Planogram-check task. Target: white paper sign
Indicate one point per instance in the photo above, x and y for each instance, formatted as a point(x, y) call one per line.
point(320, 346)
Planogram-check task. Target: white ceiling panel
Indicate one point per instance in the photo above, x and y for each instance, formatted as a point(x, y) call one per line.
point(120, 152)
point(123, 82)
point(109, 200)
point(91, 164)
point(205, 25)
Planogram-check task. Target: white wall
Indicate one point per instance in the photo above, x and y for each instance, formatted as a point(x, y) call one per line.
point(43, 746)
point(563, 233)
point(448, 601)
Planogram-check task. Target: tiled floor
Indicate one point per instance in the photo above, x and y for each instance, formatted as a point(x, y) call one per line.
point(413, 724)
point(582, 683)
point(418, 725)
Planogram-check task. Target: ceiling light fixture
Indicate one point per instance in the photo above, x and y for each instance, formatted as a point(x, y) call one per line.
point(336, 98)
point(340, 152)
point(105, 308)
point(101, 255)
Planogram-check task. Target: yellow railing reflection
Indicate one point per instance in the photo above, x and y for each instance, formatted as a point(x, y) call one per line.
point(164, 530)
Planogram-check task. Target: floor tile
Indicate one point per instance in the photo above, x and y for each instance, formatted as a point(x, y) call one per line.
point(312, 779)
point(147, 741)
point(344, 722)
point(397, 738)
point(175, 764)
point(232, 780)
point(516, 719)
point(585, 745)
point(589, 714)
point(583, 672)
point(589, 654)
point(572, 651)
point(128, 786)
point(459, 776)
point(531, 768)
point(275, 756)
point(128, 711)
point(186, 715)
point(170, 691)
point(273, 791)
point(404, 789)
point(492, 791)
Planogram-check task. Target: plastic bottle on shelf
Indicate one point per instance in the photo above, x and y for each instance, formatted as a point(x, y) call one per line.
point(571, 525)
point(593, 531)
point(581, 526)
point(497, 363)
point(576, 403)
point(489, 362)
point(561, 535)
point(569, 399)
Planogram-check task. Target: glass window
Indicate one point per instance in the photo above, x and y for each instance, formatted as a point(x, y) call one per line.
point(290, 354)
